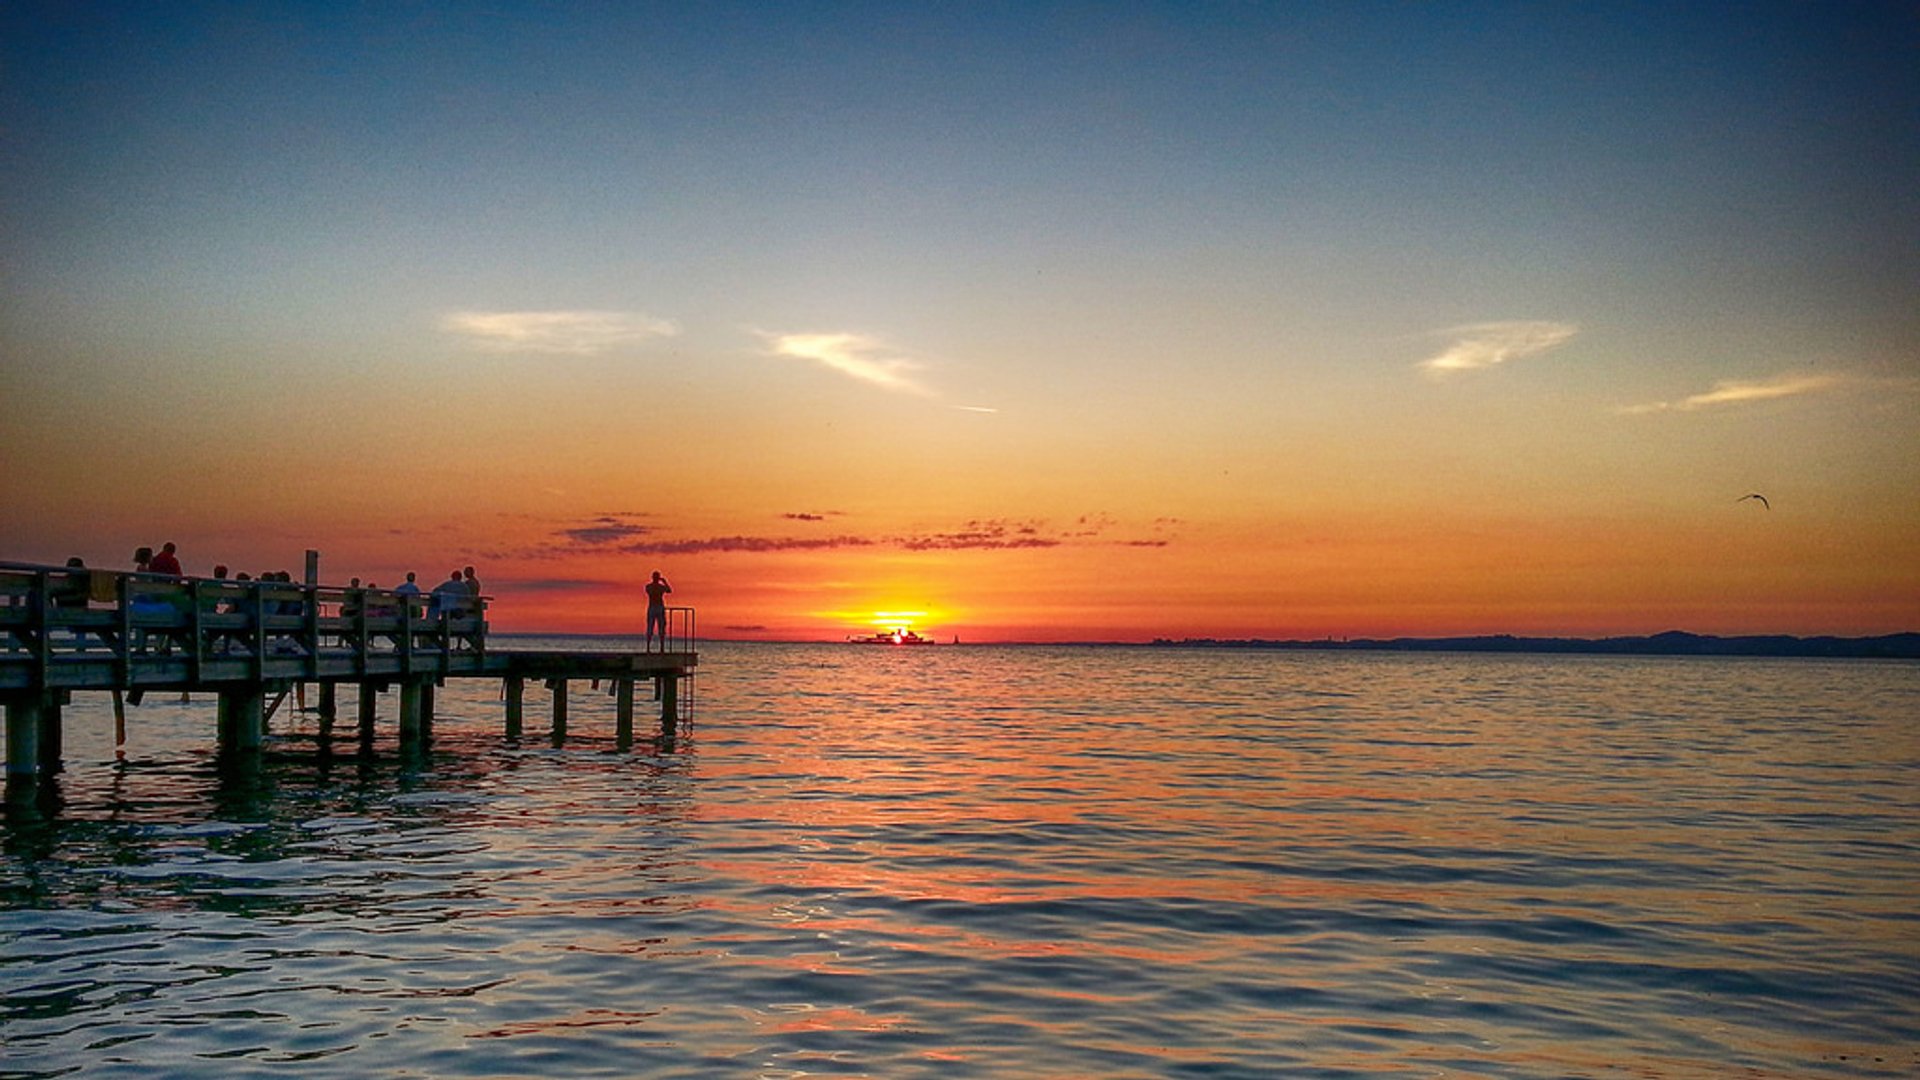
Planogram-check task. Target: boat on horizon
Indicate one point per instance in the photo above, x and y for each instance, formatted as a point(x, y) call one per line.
point(901, 636)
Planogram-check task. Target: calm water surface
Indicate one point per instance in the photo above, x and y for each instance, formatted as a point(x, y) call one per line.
point(1006, 862)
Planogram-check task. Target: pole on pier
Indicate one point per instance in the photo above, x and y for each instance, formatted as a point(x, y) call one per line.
point(119, 721)
point(516, 691)
point(559, 710)
point(243, 717)
point(623, 713)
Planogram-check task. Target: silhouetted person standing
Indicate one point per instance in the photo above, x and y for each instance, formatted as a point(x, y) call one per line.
point(657, 591)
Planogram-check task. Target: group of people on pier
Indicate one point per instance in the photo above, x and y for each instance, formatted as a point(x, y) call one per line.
point(457, 597)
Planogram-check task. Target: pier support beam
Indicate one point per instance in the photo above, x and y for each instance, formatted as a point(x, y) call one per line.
point(667, 689)
point(52, 736)
point(369, 709)
point(23, 739)
point(516, 691)
point(409, 715)
point(559, 710)
point(243, 718)
point(623, 713)
point(327, 710)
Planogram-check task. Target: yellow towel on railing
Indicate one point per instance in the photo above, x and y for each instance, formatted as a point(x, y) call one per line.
point(103, 587)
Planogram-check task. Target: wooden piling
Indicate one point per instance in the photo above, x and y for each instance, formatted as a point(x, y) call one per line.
point(559, 710)
point(23, 737)
point(623, 713)
point(243, 717)
point(329, 710)
point(515, 688)
point(52, 735)
point(369, 711)
point(426, 711)
point(410, 714)
point(667, 688)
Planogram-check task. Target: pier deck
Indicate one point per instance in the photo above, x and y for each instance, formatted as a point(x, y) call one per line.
point(65, 630)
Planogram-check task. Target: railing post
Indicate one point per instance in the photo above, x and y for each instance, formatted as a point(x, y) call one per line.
point(406, 635)
point(360, 643)
point(310, 595)
point(198, 658)
point(123, 596)
point(41, 639)
point(480, 628)
point(257, 615)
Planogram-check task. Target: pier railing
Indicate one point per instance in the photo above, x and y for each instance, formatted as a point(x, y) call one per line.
point(680, 633)
point(71, 627)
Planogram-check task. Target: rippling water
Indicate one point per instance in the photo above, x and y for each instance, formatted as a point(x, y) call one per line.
point(1006, 862)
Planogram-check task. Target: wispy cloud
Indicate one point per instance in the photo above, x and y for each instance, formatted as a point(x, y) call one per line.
point(753, 544)
point(611, 534)
point(578, 333)
point(604, 530)
point(555, 584)
point(978, 535)
point(1743, 391)
point(852, 355)
point(1483, 345)
point(987, 534)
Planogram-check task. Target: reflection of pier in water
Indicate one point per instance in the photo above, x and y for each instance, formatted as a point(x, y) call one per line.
point(71, 630)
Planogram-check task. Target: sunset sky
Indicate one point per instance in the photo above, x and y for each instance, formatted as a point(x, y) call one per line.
point(1032, 322)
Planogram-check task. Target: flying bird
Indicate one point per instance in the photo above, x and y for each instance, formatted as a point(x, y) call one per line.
point(1756, 495)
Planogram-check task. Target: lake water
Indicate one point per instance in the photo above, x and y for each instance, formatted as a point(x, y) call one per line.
point(1006, 862)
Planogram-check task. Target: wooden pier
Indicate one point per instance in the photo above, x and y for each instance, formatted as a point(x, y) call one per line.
point(68, 630)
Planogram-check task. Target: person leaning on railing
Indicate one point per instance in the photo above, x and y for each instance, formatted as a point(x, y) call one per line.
point(70, 590)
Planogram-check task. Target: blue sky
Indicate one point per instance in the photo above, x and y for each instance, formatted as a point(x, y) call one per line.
point(1197, 259)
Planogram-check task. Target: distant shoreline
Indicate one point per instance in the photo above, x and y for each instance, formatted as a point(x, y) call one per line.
point(1671, 643)
point(1904, 646)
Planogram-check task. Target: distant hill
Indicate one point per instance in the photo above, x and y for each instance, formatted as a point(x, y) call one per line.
point(1672, 643)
